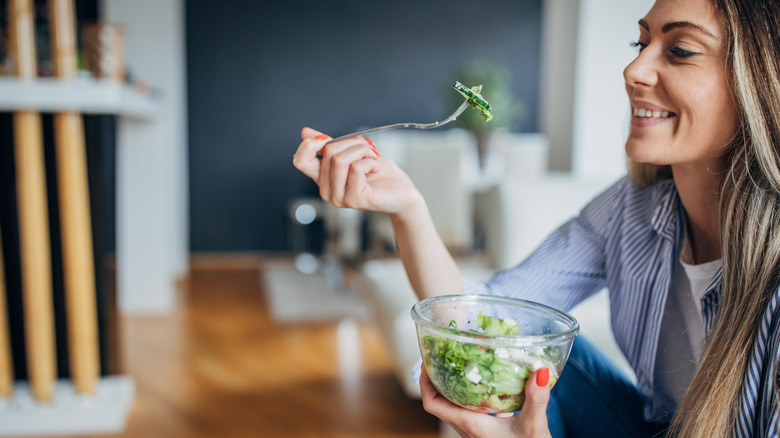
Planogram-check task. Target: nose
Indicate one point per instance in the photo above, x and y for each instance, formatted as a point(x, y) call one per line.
point(642, 70)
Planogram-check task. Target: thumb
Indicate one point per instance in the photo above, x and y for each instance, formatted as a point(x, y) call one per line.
point(307, 132)
point(537, 395)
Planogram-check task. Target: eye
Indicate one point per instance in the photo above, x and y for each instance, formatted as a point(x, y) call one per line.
point(638, 45)
point(679, 53)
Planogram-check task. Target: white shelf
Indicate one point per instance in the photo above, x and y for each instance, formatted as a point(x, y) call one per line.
point(87, 96)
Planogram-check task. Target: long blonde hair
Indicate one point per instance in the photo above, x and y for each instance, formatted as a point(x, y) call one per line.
point(749, 219)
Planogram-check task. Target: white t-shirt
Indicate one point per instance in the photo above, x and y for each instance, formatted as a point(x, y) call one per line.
point(682, 336)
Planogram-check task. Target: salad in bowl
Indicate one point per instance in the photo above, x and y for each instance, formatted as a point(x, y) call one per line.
point(480, 350)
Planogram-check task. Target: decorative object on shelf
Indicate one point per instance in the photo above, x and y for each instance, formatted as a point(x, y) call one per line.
point(496, 90)
point(104, 50)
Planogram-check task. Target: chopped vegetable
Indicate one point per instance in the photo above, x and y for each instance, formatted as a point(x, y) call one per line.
point(481, 377)
point(497, 326)
point(475, 99)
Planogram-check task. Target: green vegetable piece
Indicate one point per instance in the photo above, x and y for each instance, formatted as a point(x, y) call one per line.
point(475, 99)
point(508, 377)
point(496, 326)
point(506, 403)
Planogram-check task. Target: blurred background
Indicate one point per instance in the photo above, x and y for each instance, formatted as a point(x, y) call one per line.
point(228, 299)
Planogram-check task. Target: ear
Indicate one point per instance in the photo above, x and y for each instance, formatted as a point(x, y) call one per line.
point(308, 132)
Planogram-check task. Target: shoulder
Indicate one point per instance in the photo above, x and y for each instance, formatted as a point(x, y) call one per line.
point(769, 350)
point(627, 203)
point(766, 351)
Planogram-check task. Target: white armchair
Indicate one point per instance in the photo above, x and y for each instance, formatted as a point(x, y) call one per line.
point(443, 166)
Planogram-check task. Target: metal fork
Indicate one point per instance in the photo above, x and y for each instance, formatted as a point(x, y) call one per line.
point(449, 119)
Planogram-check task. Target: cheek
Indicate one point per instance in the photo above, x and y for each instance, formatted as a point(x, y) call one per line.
point(721, 120)
point(708, 113)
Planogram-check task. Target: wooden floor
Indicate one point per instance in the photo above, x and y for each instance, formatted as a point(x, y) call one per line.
point(221, 367)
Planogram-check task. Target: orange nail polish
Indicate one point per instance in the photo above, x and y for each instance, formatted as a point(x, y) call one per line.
point(542, 377)
point(373, 147)
point(321, 137)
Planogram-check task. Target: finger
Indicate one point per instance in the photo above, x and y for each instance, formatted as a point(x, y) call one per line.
point(428, 393)
point(427, 390)
point(537, 396)
point(463, 421)
point(307, 132)
point(324, 179)
point(356, 189)
point(373, 146)
point(305, 158)
point(433, 402)
point(342, 166)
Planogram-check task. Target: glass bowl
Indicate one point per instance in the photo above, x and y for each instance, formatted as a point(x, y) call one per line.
point(479, 350)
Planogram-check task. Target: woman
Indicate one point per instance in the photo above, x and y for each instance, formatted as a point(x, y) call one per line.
point(688, 245)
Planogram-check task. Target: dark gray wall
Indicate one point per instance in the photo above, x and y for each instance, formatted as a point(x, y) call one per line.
point(259, 71)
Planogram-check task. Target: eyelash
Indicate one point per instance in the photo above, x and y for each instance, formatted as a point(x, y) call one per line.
point(681, 53)
point(675, 52)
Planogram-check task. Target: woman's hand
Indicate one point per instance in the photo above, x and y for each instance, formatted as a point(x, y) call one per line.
point(352, 174)
point(530, 422)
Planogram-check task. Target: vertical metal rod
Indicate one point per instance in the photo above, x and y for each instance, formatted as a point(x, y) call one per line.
point(75, 219)
point(33, 214)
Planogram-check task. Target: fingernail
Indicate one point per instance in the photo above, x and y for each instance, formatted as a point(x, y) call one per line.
point(542, 377)
point(373, 147)
point(321, 137)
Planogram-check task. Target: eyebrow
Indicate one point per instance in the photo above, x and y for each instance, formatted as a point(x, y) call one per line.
point(680, 24)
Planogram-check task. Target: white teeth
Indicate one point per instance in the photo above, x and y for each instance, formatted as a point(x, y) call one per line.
point(641, 112)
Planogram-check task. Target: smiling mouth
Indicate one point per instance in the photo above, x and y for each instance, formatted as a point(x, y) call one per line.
point(650, 114)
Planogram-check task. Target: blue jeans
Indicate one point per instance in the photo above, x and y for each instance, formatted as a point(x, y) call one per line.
point(594, 399)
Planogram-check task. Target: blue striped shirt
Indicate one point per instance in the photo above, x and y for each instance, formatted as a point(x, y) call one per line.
point(627, 239)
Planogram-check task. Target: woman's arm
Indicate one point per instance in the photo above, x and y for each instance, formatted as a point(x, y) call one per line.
point(429, 265)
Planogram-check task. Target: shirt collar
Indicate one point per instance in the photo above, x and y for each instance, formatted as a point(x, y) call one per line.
point(665, 210)
point(711, 300)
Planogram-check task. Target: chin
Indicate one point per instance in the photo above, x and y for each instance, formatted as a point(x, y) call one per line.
point(643, 153)
point(637, 155)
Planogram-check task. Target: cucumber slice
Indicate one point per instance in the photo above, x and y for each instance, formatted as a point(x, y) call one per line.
point(475, 99)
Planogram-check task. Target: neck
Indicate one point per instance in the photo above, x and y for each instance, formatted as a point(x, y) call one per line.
point(700, 195)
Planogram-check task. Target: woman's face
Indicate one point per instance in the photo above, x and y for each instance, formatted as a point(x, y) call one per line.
point(682, 109)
